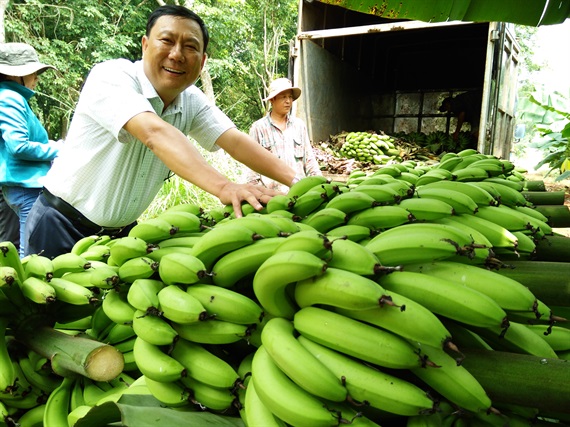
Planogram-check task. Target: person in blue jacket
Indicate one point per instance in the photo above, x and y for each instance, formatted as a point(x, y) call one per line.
point(26, 151)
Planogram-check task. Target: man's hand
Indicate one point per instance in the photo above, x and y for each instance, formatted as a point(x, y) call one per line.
point(256, 195)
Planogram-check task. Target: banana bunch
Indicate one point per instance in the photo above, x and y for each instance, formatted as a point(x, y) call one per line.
point(369, 147)
point(342, 303)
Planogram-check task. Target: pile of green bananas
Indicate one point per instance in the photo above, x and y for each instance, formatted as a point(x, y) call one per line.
point(369, 147)
point(339, 302)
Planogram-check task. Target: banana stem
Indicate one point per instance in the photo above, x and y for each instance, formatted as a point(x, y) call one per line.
point(549, 281)
point(71, 355)
point(521, 379)
point(553, 248)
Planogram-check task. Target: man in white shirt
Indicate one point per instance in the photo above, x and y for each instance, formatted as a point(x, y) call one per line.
point(129, 131)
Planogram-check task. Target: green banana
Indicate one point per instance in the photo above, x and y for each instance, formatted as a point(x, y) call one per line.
point(309, 240)
point(157, 254)
point(278, 339)
point(557, 337)
point(141, 267)
point(99, 322)
point(532, 211)
point(184, 222)
point(309, 202)
point(38, 290)
point(221, 240)
point(355, 338)
point(508, 293)
point(208, 397)
point(368, 384)
point(381, 193)
point(118, 333)
point(203, 365)
point(354, 257)
point(172, 394)
point(38, 266)
point(405, 317)
point(452, 381)
point(351, 201)
point(419, 242)
point(260, 224)
point(279, 270)
point(11, 290)
point(85, 243)
point(46, 383)
point(449, 162)
point(518, 338)
point(243, 262)
point(153, 230)
point(460, 202)
point(213, 331)
point(514, 184)
point(33, 417)
point(340, 288)
point(179, 268)
point(72, 293)
point(304, 185)
point(155, 364)
point(470, 174)
point(117, 308)
point(479, 195)
point(496, 235)
point(287, 224)
point(381, 217)
point(179, 306)
point(446, 298)
point(493, 166)
point(354, 232)
point(427, 209)
point(506, 217)
point(103, 276)
point(187, 241)
point(69, 263)
point(153, 329)
point(325, 219)
point(279, 202)
point(97, 253)
point(143, 294)
point(256, 413)
point(226, 304)
point(192, 208)
point(10, 257)
point(288, 401)
point(57, 405)
point(7, 372)
point(128, 247)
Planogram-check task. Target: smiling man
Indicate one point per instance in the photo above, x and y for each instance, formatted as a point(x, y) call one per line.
point(129, 131)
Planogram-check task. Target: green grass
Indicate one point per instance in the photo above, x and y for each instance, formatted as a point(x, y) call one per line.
point(176, 191)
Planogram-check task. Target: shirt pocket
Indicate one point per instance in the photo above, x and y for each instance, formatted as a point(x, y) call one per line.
point(299, 150)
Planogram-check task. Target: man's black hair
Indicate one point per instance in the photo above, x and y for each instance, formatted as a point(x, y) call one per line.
point(181, 12)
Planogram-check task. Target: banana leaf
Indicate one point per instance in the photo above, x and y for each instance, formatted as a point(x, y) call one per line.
point(523, 12)
point(145, 411)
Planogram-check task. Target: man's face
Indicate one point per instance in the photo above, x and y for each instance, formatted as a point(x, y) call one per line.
point(173, 55)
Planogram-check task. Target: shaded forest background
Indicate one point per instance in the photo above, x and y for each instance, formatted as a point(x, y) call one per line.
point(249, 46)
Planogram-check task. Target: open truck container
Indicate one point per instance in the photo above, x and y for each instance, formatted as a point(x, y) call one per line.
point(360, 72)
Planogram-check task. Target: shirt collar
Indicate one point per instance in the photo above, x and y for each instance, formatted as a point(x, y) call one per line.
point(149, 92)
point(26, 92)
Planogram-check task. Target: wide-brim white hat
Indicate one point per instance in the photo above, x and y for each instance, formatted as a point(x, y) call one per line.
point(281, 85)
point(20, 59)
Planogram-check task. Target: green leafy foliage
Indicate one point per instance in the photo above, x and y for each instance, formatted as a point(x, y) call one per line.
point(550, 113)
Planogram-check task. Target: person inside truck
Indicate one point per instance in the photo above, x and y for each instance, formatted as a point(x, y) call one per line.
point(467, 108)
point(284, 135)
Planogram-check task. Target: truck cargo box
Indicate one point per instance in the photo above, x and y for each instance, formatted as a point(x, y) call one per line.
point(361, 72)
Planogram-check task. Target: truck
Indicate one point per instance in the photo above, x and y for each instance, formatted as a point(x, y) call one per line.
point(359, 72)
